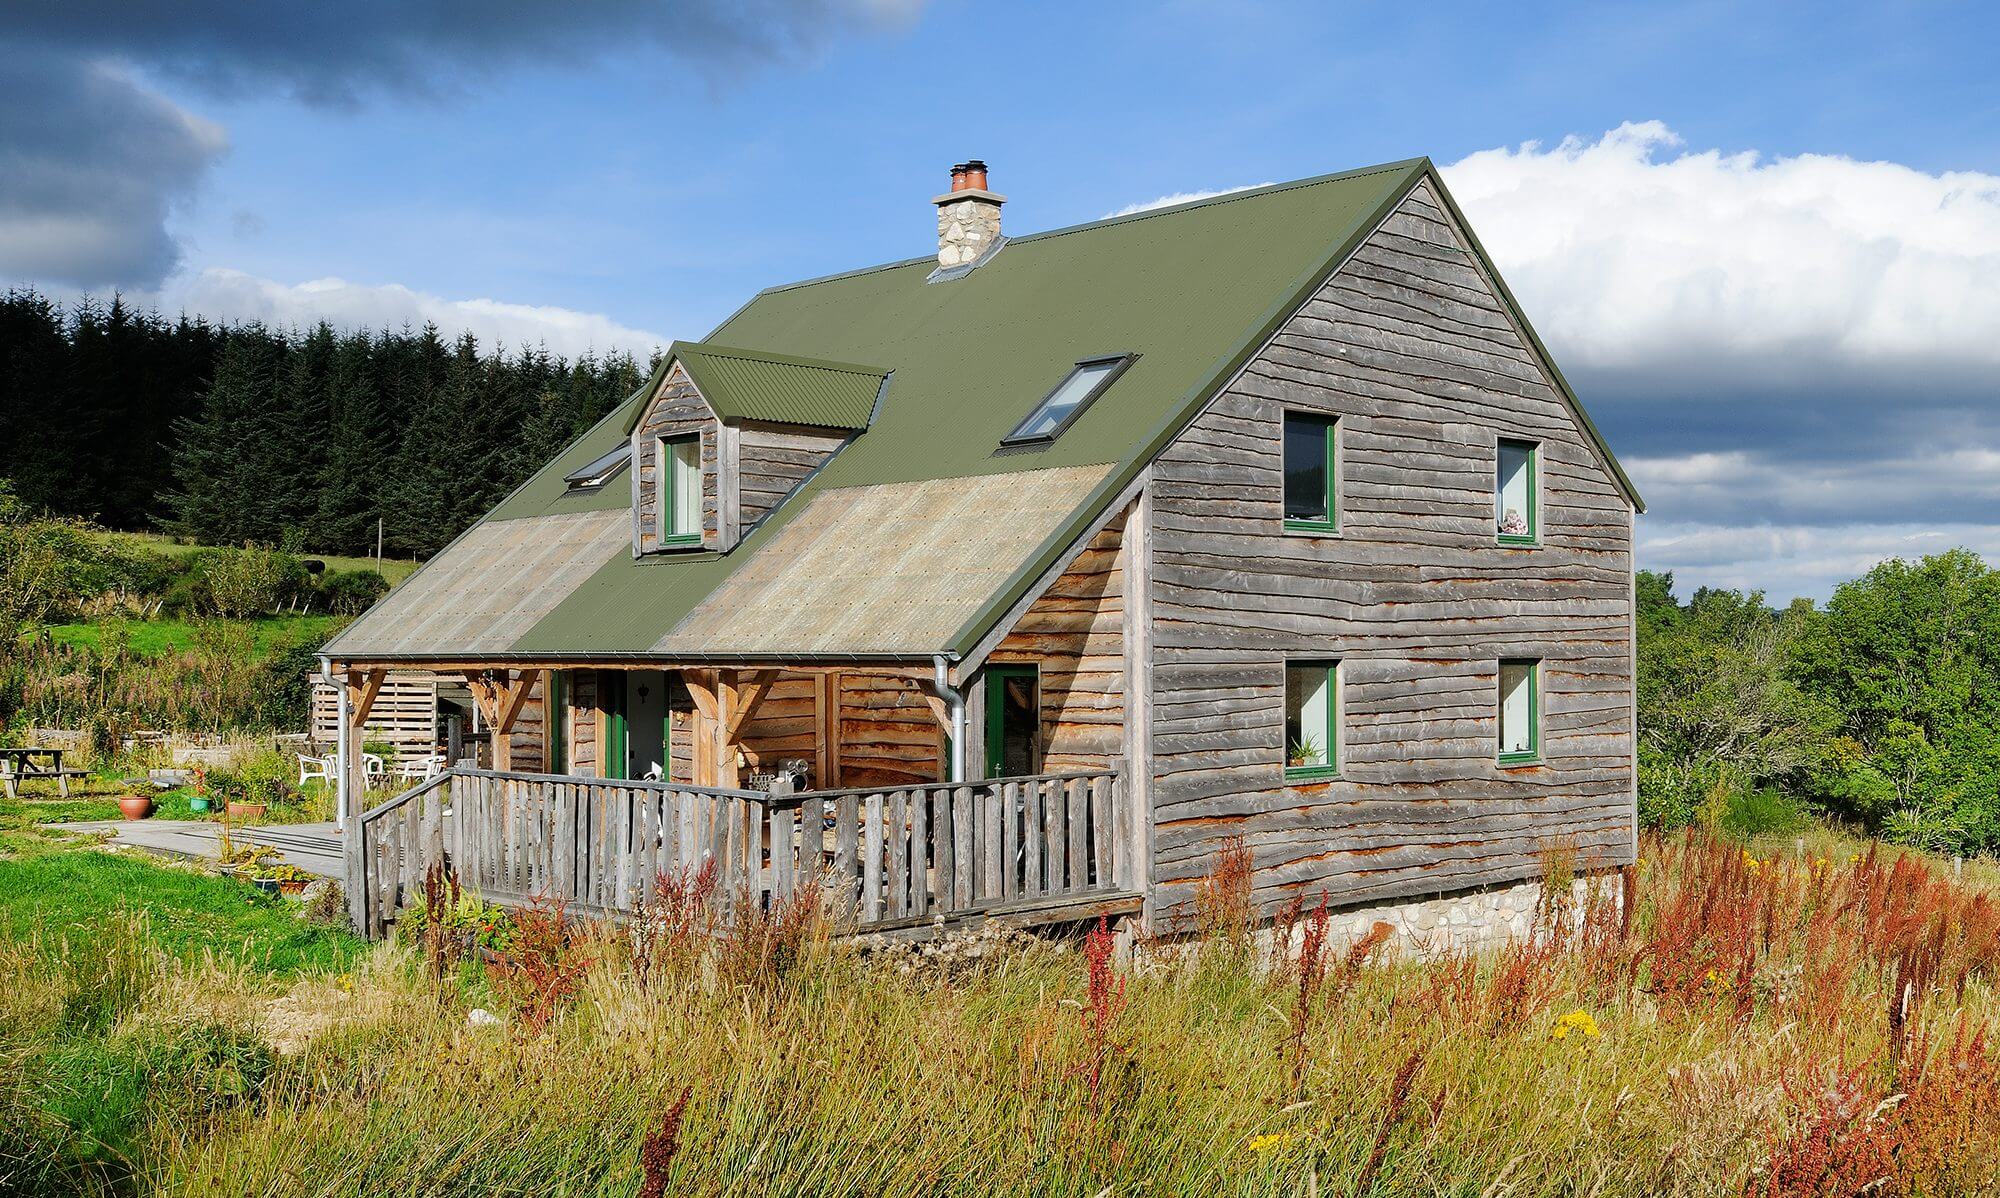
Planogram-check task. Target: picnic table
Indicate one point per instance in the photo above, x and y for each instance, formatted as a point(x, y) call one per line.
point(22, 765)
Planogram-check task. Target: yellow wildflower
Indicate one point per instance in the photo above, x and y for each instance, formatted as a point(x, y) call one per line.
point(1578, 1021)
point(1270, 1140)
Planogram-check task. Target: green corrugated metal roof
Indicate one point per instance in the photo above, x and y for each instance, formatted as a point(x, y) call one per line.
point(1192, 291)
point(746, 384)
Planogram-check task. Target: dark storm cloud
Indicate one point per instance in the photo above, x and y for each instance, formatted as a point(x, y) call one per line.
point(336, 53)
point(92, 162)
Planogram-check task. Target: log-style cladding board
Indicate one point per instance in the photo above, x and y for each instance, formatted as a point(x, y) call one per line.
point(1074, 633)
point(771, 460)
point(678, 410)
point(1410, 348)
point(583, 720)
point(888, 735)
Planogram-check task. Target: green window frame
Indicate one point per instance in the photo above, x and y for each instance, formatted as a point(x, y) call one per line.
point(1319, 434)
point(1312, 720)
point(1524, 483)
point(558, 709)
point(678, 480)
point(1520, 691)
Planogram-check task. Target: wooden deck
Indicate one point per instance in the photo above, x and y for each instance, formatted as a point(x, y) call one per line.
point(1040, 850)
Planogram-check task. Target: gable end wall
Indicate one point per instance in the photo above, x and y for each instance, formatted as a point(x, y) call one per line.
point(1410, 348)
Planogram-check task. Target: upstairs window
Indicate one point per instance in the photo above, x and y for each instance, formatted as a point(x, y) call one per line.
point(1312, 473)
point(679, 474)
point(1071, 396)
point(1520, 711)
point(1312, 719)
point(595, 474)
point(1514, 493)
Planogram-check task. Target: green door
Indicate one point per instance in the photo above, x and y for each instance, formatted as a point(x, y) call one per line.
point(611, 695)
point(1013, 721)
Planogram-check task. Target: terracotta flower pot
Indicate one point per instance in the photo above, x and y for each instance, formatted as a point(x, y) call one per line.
point(135, 806)
point(246, 810)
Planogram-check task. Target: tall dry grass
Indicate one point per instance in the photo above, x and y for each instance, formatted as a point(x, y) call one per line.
point(1758, 1024)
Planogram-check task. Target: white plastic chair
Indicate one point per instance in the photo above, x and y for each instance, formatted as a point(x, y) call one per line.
point(420, 769)
point(316, 769)
point(373, 770)
point(654, 773)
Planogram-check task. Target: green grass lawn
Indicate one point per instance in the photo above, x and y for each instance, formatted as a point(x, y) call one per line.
point(393, 569)
point(72, 893)
point(153, 637)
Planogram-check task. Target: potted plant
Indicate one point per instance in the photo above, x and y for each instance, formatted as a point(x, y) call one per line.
point(247, 861)
point(135, 806)
point(290, 879)
point(1304, 752)
point(198, 800)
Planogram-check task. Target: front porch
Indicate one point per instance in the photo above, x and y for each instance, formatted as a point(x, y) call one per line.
point(1036, 850)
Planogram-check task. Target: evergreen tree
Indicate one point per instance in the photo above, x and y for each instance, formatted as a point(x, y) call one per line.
point(232, 452)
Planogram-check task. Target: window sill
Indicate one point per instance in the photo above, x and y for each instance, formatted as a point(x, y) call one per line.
point(1518, 541)
point(1313, 528)
point(1509, 761)
point(688, 542)
point(1311, 773)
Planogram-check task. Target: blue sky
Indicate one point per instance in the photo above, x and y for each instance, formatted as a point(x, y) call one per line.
point(1768, 252)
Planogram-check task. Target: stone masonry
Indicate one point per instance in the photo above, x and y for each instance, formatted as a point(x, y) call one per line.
point(968, 222)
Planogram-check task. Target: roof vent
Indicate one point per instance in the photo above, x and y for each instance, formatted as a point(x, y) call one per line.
point(968, 216)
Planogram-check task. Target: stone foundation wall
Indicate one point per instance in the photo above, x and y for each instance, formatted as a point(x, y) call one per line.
point(1470, 919)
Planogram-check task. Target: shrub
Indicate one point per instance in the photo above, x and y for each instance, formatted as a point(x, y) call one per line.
point(1761, 811)
point(350, 592)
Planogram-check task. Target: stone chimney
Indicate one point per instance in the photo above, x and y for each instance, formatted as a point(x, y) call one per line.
point(968, 216)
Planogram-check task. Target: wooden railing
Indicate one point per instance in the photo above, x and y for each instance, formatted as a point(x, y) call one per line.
point(884, 856)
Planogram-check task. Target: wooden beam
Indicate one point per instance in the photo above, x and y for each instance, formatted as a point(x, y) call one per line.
point(826, 734)
point(361, 695)
point(483, 694)
point(702, 688)
point(727, 699)
point(749, 700)
point(513, 700)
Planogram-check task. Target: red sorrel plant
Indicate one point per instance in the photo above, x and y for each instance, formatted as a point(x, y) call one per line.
point(656, 1152)
point(670, 930)
point(761, 949)
point(1841, 1146)
point(1104, 1001)
point(1948, 1125)
point(1311, 976)
point(1223, 907)
point(441, 894)
point(541, 976)
point(1399, 1099)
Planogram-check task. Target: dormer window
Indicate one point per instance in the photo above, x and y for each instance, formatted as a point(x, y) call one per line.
point(1083, 384)
point(595, 474)
point(679, 467)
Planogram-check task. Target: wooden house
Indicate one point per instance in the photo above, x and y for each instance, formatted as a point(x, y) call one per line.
point(1039, 569)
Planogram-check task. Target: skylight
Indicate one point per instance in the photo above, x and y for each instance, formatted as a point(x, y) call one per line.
point(1071, 396)
point(601, 471)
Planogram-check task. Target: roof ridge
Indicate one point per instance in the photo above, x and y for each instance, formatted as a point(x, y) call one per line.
point(1226, 197)
point(768, 358)
point(1246, 193)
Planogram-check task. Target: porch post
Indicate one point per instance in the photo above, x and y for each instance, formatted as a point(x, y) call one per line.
point(341, 739)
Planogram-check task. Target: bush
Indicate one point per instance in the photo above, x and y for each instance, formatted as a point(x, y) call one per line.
point(1761, 811)
point(249, 582)
point(350, 592)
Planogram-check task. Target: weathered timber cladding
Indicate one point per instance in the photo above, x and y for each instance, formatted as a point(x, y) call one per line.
point(888, 735)
point(1410, 348)
point(677, 410)
point(755, 465)
point(1075, 632)
point(784, 726)
point(772, 459)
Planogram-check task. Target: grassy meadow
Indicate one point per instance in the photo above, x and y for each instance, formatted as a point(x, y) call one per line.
point(392, 568)
point(1780, 1018)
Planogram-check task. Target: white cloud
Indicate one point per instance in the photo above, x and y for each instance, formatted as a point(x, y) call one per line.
point(1789, 561)
point(1632, 252)
point(234, 295)
point(1179, 197)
